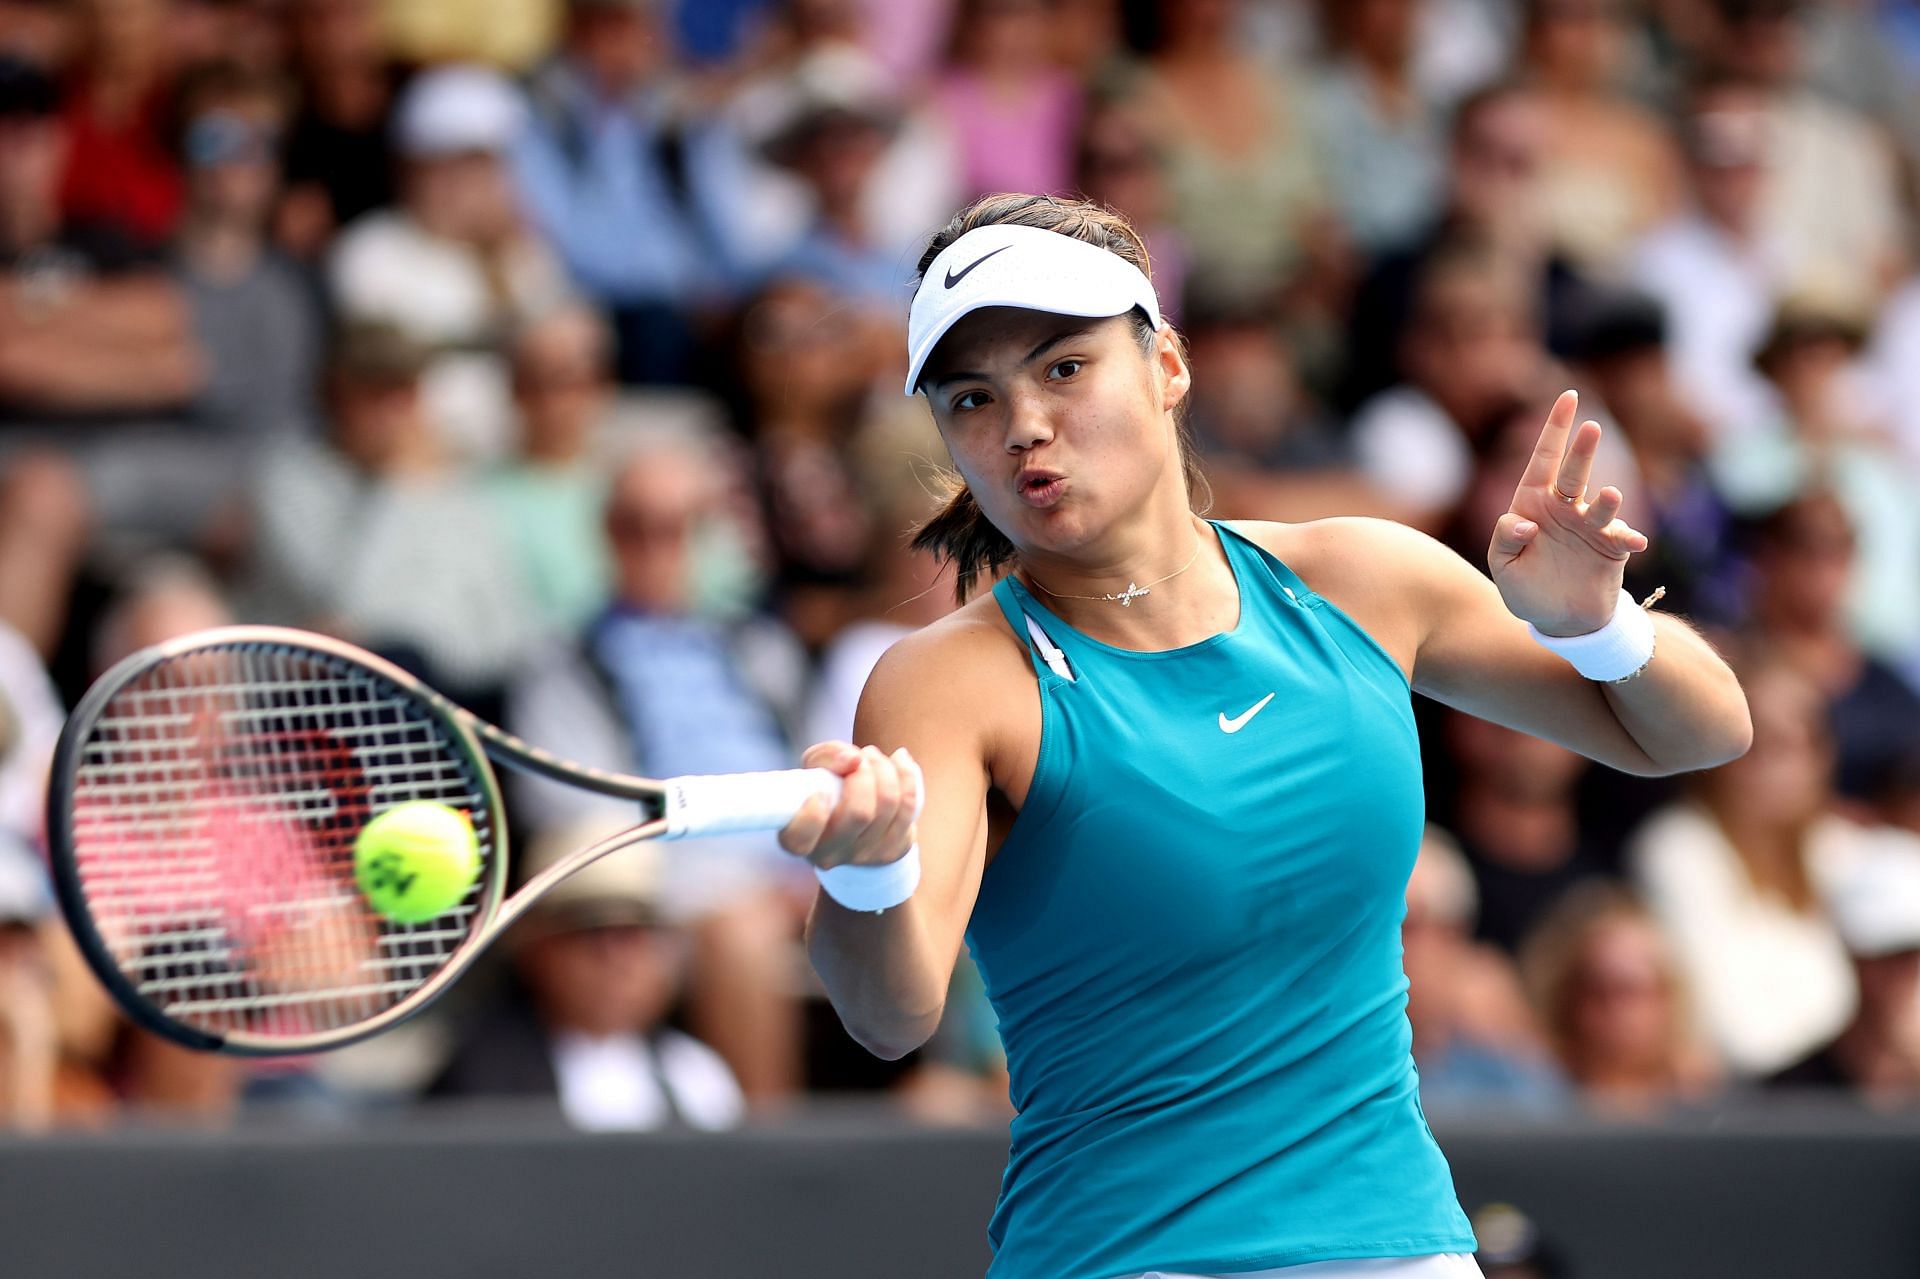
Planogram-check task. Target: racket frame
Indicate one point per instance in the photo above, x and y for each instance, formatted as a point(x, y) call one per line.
point(468, 734)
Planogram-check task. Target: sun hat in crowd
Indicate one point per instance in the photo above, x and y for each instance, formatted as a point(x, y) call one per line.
point(622, 888)
point(1813, 315)
point(376, 351)
point(834, 85)
point(457, 109)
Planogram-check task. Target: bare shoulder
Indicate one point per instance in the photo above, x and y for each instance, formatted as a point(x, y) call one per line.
point(1361, 556)
point(1374, 548)
point(957, 671)
point(1392, 580)
point(972, 640)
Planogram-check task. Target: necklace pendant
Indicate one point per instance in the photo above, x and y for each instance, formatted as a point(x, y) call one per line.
point(1127, 597)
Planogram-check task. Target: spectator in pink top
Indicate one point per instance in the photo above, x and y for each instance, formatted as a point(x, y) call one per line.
point(1014, 113)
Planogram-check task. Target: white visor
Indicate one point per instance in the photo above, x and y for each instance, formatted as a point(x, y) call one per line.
point(1021, 266)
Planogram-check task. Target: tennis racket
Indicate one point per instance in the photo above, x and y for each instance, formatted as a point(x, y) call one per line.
point(205, 800)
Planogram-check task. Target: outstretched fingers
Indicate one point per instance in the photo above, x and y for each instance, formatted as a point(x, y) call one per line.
point(1612, 536)
point(1551, 447)
point(1575, 471)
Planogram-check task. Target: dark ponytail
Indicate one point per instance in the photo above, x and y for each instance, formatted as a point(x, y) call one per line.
point(960, 532)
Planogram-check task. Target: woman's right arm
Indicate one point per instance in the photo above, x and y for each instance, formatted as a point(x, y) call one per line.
point(887, 973)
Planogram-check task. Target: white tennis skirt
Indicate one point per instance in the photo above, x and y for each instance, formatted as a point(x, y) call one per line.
point(1448, 1265)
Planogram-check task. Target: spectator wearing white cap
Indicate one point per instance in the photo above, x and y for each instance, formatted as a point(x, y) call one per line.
point(1875, 905)
point(454, 265)
point(598, 968)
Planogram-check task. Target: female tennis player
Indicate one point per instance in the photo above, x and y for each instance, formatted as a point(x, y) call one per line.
point(1171, 786)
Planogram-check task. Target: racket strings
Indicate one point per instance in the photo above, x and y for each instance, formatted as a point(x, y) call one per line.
point(216, 803)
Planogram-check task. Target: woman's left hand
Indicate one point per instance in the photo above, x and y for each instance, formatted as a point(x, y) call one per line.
point(1558, 554)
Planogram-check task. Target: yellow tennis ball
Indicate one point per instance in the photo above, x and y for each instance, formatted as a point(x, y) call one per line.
point(416, 861)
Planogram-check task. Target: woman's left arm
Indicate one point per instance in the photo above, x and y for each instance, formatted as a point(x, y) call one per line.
point(1557, 562)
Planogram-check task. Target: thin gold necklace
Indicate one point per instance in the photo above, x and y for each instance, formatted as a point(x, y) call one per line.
point(1126, 598)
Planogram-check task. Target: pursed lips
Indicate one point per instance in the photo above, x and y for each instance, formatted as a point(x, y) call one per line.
point(1039, 486)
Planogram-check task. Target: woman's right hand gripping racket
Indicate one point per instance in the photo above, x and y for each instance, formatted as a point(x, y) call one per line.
point(207, 795)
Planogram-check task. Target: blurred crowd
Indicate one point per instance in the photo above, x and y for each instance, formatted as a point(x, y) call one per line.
point(551, 349)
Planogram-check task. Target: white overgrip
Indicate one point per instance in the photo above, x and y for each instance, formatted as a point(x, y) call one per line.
point(728, 803)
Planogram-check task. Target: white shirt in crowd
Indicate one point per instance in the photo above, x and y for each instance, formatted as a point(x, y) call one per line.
point(1719, 296)
point(623, 1082)
point(1411, 450)
point(844, 667)
point(1769, 983)
point(34, 705)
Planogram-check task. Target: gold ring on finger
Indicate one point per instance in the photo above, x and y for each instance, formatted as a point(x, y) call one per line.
point(1566, 497)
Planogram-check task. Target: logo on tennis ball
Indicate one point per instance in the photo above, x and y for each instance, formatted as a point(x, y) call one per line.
point(416, 861)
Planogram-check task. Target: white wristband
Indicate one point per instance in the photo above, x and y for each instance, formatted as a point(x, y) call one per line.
point(1615, 652)
point(873, 888)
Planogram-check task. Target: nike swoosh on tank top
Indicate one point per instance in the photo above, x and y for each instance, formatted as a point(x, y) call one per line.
point(1192, 940)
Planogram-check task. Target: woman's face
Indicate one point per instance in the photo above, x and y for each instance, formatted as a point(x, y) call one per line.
point(1058, 424)
point(1805, 570)
point(1120, 168)
point(468, 196)
point(1009, 34)
point(803, 351)
point(376, 420)
point(604, 981)
point(1578, 42)
point(124, 37)
point(562, 384)
point(1622, 994)
point(232, 166)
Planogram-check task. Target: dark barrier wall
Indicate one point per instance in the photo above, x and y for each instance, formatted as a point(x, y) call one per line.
point(1729, 1198)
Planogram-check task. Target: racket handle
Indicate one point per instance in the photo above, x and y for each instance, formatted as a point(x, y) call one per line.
point(728, 803)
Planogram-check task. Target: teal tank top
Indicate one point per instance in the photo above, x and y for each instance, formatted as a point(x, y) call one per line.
point(1191, 936)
